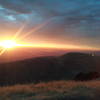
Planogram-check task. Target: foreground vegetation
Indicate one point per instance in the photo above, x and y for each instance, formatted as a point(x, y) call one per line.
point(56, 90)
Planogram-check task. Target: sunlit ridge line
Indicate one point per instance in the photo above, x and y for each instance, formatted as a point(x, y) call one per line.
point(56, 46)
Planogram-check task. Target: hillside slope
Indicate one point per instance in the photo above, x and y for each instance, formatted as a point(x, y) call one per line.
point(48, 68)
point(56, 90)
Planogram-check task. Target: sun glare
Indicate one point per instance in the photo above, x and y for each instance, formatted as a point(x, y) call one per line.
point(8, 44)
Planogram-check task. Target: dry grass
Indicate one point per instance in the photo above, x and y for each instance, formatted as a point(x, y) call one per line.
point(57, 90)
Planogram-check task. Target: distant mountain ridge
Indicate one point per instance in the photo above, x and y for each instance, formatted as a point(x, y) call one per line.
point(38, 69)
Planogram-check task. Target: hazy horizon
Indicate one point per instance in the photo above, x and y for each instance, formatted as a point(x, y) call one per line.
point(22, 53)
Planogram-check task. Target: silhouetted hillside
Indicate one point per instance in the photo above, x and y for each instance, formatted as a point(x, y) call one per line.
point(48, 68)
point(87, 76)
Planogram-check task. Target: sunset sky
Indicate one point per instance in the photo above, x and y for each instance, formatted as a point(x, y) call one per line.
point(64, 22)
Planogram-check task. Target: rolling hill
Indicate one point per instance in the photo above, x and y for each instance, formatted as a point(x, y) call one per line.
point(48, 68)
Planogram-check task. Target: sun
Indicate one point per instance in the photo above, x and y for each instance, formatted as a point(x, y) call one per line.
point(8, 44)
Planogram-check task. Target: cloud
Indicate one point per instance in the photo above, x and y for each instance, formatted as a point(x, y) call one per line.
point(70, 18)
point(16, 5)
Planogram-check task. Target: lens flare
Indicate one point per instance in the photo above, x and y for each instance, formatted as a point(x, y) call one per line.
point(8, 44)
point(11, 43)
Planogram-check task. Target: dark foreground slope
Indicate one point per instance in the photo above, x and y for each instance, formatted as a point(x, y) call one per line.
point(56, 90)
point(48, 68)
